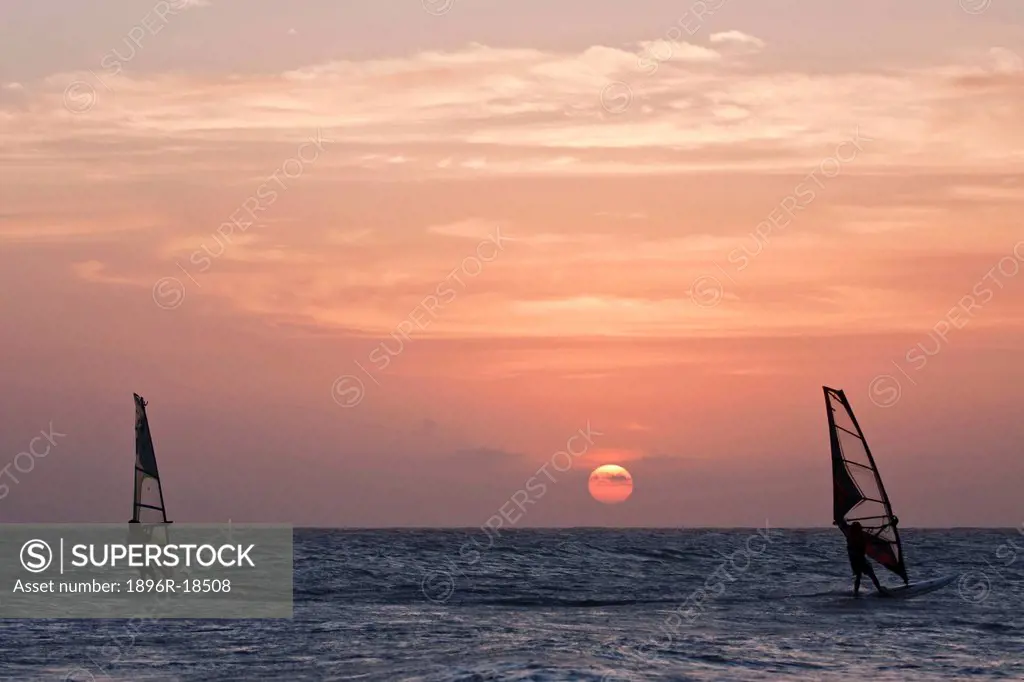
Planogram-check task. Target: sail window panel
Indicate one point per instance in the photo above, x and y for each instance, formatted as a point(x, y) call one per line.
point(870, 511)
point(150, 503)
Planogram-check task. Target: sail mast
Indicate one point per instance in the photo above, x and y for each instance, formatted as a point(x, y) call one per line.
point(837, 457)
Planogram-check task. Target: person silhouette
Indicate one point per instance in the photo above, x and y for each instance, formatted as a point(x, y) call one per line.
point(857, 546)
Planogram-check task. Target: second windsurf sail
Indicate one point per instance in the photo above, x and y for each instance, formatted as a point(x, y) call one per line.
point(149, 522)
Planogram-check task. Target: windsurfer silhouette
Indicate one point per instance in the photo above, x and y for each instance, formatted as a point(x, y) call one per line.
point(857, 547)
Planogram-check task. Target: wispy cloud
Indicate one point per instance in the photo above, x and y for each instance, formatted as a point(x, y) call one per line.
point(519, 110)
point(713, 140)
point(736, 37)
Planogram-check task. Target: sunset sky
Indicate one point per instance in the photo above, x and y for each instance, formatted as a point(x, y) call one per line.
point(375, 263)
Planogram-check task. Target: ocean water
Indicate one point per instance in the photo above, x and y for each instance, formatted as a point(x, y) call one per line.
point(579, 604)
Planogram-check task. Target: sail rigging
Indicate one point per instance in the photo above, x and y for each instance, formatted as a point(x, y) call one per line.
point(148, 494)
point(858, 493)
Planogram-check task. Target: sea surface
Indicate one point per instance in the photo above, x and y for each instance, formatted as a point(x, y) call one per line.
point(579, 604)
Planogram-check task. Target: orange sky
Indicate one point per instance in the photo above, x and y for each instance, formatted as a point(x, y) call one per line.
point(375, 266)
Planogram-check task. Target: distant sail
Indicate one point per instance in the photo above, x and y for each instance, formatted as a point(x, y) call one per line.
point(148, 495)
point(858, 493)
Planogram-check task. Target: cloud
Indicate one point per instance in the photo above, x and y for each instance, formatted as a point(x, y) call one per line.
point(484, 456)
point(736, 37)
point(1006, 61)
point(95, 271)
point(524, 111)
point(614, 215)
point(611, 478)
point(634, 215)
point(1006, 191)
point(36, 223)
point(470, 228)
point(676, 51)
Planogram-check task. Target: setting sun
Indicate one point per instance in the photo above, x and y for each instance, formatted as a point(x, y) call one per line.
point(610, 484)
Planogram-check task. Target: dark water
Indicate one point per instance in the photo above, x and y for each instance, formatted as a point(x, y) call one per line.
point(577, 605)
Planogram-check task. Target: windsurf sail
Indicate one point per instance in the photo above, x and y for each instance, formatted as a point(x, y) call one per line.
point(857, 492)
point(148, 496)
